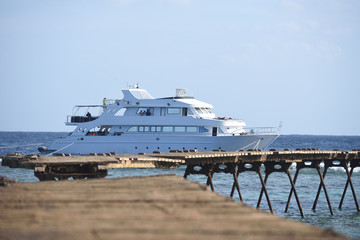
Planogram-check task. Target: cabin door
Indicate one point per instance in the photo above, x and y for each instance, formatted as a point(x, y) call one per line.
point(184, 111)
point(214, 131)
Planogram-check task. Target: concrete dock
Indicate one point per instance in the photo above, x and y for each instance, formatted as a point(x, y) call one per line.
point(158, 207)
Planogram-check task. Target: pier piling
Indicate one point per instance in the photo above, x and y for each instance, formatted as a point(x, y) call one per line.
point(207, 164)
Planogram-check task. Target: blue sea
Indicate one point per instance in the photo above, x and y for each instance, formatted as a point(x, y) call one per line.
point(345, 221)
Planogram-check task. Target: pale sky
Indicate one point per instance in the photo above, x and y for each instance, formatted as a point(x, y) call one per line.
point(261, 61)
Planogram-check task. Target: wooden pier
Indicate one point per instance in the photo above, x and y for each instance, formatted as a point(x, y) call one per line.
point(203, 163)
point(157, 207)
point(64, 166)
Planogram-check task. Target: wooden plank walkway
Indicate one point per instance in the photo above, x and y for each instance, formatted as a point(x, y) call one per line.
point(203, 163)
point(158, 207)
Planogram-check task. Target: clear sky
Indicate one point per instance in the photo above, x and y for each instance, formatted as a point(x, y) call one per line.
point(262, 61)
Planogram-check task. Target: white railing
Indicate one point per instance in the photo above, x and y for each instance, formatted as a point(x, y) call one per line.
point(262, 130)
point(112, 101)
point(254, 131)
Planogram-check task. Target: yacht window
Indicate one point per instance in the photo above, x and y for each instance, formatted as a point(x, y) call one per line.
point(133, 129)
point(190, 112)
point(191, 129)
point(141, 128)
point(145, 111)
point(120, 112)
point(146, 129)
point(141, 111)
point(179, 129)
point(202, 129)
point(220, 130)
point(205, 110)
point(199, 110)
point(167, 129)
point(174, 111)
point(155, 129)
point(185, 111)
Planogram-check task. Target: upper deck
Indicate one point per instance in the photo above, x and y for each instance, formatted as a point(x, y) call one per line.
point(138, 102)
point(138, 110)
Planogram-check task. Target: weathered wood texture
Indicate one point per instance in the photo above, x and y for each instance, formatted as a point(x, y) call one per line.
point(16, 160)
point(158, 207)
point(174, 158)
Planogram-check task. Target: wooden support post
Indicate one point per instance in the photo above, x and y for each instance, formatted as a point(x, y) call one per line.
point(352, 188)
point(323, 185)
point(293, 189)
point(345, 189)
point(187, 171)
point(319, 189)
point(207, 170)
point(234, 185)
point(263, 189)
point(209, 181)
point(235, 172)
point(236, 182)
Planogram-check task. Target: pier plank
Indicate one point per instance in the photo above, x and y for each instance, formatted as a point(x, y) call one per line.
point(96, 165)
point(157, 207)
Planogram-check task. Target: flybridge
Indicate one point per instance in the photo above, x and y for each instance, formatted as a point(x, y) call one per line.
point(137, 93)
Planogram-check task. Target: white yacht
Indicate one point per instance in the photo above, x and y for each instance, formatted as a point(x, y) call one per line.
point(139, 123)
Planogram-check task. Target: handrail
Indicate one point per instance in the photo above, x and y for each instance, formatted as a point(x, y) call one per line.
point(254, 131)
point(262, 130)
point(80, 119)
point(112, 101)
point(82, 111)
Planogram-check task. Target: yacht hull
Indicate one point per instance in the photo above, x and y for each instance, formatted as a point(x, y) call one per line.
point(149, 144)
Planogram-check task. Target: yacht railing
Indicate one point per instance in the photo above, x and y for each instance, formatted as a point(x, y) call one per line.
point(80, 119)
point(255, 131)
point(112, 101)
point(85, 113)
point(262, 130)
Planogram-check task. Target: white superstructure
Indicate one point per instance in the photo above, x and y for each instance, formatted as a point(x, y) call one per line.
point(140, 123)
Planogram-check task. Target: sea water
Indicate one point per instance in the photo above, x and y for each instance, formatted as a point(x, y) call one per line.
point(345, 221)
